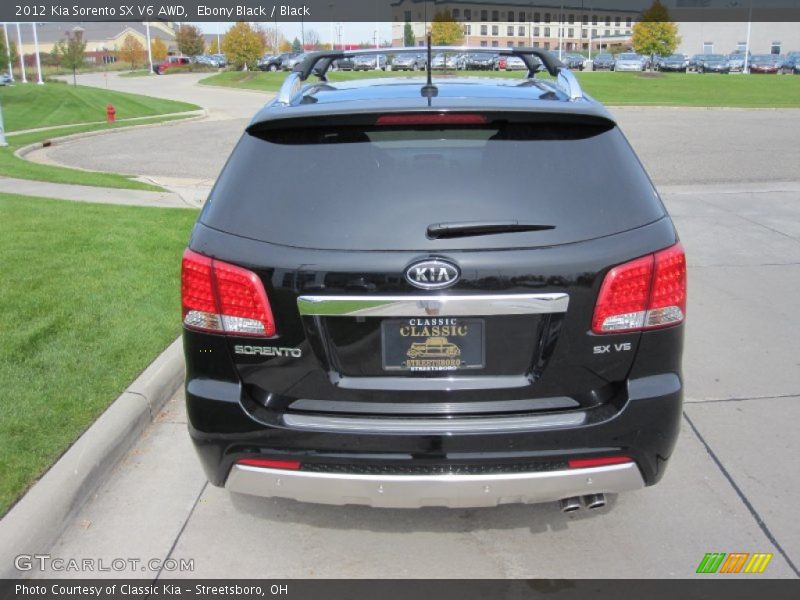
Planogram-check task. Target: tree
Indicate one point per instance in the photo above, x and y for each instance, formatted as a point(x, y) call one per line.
point(408, 36)
point(190, 40)
point(132, 51)
point(313, 39)
point(71, 51)
point(158, 49)
point(655, 33)
point(274, 40)
point(3, 53)
point(444, 30)
point(296, 45)
point(243, 45)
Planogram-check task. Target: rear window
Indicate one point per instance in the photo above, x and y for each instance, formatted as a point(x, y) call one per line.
point(379, 188)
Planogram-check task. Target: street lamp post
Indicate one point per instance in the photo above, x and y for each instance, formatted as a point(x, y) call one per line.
point(8, 52)
point(21, 54)
point(36, 50)
point(149, 47)
point(3, 141)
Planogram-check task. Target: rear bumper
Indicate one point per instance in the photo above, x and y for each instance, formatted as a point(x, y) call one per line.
point(453, 491)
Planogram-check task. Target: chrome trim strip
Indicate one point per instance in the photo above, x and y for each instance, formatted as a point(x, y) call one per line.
point(432, 305)
point(441, 426)
point(568, 83)
point(416, 491)
point(428, 384)
point(434, 408)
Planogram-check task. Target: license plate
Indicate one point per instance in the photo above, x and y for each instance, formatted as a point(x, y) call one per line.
point(431, 344)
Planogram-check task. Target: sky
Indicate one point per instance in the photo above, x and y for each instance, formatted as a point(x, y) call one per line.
point(352, 32)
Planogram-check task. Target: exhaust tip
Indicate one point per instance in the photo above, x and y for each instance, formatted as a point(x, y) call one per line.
point(593, 501)
point(570, 504)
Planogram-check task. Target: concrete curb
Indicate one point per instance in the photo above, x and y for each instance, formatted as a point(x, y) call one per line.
point(34, 524)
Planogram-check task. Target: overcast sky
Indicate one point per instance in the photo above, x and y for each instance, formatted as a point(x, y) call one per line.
point(352, 33)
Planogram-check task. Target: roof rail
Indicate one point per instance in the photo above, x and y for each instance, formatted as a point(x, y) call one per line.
point(318, 63)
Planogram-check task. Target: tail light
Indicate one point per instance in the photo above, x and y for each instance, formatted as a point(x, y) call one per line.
point(645, 293)
point(432, 119)
point(224, 298)
point(602, 461)
point(268, 463)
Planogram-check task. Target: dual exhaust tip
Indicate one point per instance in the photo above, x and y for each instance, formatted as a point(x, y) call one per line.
point(591, 501)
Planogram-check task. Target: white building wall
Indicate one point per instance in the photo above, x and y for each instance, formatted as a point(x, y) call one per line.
point(725, 37)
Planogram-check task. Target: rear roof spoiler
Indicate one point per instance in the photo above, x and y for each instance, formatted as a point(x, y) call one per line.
point(318, 63)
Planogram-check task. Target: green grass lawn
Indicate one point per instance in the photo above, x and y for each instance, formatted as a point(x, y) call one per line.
point(11, 166)
point(29, 106)
point(90, 296)
point(659, 89)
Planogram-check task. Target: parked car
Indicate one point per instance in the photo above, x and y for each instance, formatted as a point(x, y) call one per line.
point(694, 61)
point(410, 62)
point(171, 62)
point(629, 61)
point(405, 349)
point(445, 61)
point(604, 62)
point(674, 62)
point(714, 63)
point(500, 62)
point(271, 62)
point(479, 61)
point(736, 62)
point(289, 63)
point(369, 62)
point(765, 63)
point(574, 61)
point(791, 65)
point(221, 60)
point(344, 64)
point(5, 79)
point(515, 63)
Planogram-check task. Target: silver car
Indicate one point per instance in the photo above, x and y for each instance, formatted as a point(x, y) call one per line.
point(629, 61)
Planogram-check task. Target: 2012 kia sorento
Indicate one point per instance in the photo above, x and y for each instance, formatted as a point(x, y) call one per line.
point(402, 293)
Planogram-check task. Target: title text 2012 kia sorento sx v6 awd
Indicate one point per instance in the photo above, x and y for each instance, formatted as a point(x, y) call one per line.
point(404, 295)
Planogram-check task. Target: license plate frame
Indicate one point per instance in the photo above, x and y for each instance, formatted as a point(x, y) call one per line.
point(433, 344)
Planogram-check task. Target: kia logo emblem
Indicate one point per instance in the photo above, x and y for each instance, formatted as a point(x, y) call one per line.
point(432, 274)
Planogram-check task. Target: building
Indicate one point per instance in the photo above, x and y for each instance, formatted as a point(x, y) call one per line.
point(102, 39)
point(726, 37)
point(541, 25)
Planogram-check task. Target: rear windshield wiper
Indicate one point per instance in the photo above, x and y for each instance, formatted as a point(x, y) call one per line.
point(470, 228)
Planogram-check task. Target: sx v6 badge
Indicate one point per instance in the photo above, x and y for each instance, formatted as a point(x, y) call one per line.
point(607, 348)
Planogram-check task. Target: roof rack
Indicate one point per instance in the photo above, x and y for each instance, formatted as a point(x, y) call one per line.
point(318, 63)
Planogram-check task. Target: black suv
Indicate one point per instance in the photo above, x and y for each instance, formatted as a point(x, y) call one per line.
point(403, 294)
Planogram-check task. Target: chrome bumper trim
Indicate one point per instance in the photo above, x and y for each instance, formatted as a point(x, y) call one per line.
point(427, 384)
point(423, 426)
point(433, 305)
point(416, 491)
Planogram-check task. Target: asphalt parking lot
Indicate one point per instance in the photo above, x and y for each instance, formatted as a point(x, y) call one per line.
point(729, 179)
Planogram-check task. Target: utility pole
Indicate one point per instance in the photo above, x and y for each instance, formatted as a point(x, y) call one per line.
point(149, 47)
point(747, 42)
point(36, 50)
point(21, 54)
point(8, 53)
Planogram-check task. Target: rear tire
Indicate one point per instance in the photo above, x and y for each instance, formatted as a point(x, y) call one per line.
point(273, 68)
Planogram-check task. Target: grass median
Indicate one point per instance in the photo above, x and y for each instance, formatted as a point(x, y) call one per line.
point(619, 89)
point(90, 297)
point(29, 106)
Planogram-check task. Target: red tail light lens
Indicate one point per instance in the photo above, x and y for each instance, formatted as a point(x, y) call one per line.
point(220, 297)
point(645, 293)
point(432, 119)
point(268, 463)
point(602, 461)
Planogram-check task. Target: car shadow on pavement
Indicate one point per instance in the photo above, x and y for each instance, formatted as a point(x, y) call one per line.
point(539, 518)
